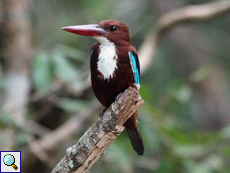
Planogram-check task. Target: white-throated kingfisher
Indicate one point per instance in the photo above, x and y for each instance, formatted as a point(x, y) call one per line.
point(114, 67)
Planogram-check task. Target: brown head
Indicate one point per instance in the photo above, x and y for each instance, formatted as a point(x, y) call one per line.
point(114, 31)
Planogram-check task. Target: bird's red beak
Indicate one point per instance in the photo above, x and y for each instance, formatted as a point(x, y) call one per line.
point(87, 30)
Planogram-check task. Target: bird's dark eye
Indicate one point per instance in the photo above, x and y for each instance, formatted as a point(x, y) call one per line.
point(113, 28)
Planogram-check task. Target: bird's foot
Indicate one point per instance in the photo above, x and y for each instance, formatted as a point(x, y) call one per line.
point(118, 96)
point(102, 112)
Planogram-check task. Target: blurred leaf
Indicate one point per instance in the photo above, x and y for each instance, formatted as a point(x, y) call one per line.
point(180, 91)
point(181, 137)
point(73, 105)
point(64, 70)
point(194, 167)
point(6, 119)
point(145, 92)
point(189, 151)
point(215, 161)
point(41, 72)
point(72, 52)
point(2, 79)
point(121, 158)
point(147, 129)
point(168, 165)
point(93, 9)
point(225, 150)
point(201, 73)
point(225, 133)
point(21, 138)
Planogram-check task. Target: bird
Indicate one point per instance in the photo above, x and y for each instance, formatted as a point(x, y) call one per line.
point(114, 67)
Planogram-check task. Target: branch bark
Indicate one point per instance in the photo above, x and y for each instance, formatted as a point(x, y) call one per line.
point(93, 144)
point(192, 13)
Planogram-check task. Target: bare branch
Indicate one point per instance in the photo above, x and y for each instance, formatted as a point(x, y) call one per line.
point(53, 138)
point(168, 20)
point(93, 144)
point(191, 13)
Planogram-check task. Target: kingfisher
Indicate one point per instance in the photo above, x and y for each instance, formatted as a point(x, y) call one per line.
point(114, 67)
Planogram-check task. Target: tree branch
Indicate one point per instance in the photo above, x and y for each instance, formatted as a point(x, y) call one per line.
point(52, 140)
point(93, 144)
point(192, 13)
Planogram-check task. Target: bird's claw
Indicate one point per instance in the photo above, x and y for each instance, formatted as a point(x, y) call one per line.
point(118, 96)
point(102, 112)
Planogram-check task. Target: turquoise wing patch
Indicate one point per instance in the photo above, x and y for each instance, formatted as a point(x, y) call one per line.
point(134, 61)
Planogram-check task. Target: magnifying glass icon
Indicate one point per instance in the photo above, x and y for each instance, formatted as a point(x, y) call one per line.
point(9, 160)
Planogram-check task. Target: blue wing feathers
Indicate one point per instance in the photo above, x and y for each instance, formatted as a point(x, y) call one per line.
point(135, 66)
point(91, 53)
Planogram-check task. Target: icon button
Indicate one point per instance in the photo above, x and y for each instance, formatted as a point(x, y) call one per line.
point(9, 160)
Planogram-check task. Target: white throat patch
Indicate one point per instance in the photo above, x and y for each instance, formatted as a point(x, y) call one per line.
point(107, 60)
